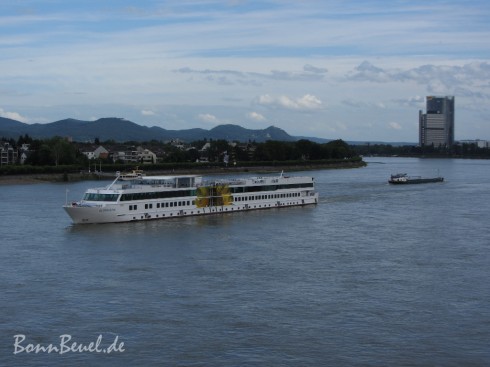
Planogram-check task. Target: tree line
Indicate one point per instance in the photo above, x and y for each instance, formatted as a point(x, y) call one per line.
point(58, 151)
point(459, 150)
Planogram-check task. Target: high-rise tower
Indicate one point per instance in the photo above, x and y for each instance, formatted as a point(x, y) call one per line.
point(436, 127)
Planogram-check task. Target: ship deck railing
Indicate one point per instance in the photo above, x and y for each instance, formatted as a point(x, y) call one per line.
point(124, 185)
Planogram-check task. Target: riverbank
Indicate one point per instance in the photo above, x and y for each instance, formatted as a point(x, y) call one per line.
point(34, 178)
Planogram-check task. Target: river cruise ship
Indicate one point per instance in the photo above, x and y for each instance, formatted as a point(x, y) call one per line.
point(138, 197)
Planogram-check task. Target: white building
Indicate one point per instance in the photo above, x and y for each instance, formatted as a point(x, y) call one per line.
point(98, 153)
point(479, 143)
point(8, 155)
point(135, 155)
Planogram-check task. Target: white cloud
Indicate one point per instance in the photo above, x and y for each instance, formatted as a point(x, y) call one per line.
point(395, 126)
point(256, 116)
point(13, 116)
point(208, 118)
point(307, 102)
point(148, 113)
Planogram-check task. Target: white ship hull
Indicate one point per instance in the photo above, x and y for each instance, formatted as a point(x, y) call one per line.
point(112, 213)
point(252, 195)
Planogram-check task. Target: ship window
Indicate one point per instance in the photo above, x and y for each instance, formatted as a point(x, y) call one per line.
point(100, 197)
point(153, 195)
point(171, 204)
point(146, 206)
point(158, 205)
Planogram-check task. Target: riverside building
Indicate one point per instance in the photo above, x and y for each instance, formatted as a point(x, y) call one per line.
point(436, 126)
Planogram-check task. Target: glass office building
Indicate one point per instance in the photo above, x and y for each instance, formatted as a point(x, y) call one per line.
point(436, 126)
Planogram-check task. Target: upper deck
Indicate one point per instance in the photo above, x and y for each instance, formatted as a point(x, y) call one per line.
point(181, 182)
point(144, 187)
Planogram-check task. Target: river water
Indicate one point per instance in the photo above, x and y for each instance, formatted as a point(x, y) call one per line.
point(374, 275)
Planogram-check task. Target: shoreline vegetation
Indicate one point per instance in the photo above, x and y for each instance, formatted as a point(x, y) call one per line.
point(41, 174)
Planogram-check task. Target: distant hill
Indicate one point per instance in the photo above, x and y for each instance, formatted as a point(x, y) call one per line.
point(121, 130)
point(11, 128)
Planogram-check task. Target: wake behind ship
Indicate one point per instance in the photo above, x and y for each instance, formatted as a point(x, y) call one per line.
point(136, 197)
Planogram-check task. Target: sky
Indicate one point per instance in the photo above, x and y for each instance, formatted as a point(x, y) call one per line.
point(356, 70)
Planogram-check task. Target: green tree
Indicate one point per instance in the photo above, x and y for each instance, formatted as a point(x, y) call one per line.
point(62, 152)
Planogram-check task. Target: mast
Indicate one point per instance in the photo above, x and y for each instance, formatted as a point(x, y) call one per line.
point(113, 182)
